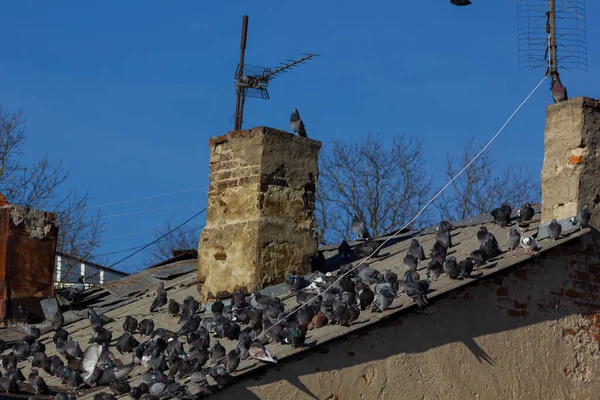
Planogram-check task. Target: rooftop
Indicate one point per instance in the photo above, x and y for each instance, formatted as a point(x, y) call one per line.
point(132, 295)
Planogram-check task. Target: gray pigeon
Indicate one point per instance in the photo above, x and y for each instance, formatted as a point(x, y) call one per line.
point(384, 296)
point(559, 92)
point(130, 324)
point(438, 252)
point(513, 238)
point(466, 268)
point(58, 320)
point(482, 234)
point(451, 267)
point(359, 228)
point(554, 229)
point(585, 217)
point(296, 124)
point(410, 261)
point(444, 237)
point(369, 275)
point(529, 244)
point(37, 382)
point(217, 353)
point(434, 270)
point(478, 257)
point(417, 250)
point(416, 290)
point(501, 216)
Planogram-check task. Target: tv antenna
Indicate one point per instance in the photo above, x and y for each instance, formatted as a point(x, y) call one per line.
point(552, 34)
point(252, 80)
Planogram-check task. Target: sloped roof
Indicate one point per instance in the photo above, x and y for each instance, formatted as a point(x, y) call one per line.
point(133, 295)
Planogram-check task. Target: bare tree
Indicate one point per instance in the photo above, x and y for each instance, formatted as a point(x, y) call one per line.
point(37, 185)
point(479, 190)
point(184, 238)
point(384, 183)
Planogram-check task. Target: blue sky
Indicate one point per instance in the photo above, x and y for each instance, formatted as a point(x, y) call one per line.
point(128, 93)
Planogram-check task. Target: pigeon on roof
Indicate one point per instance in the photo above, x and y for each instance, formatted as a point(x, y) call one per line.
point(360, 228)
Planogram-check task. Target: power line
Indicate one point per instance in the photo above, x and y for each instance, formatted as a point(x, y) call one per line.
point(137, 247)
point(141, 233)
point(154, 241)
point(151, 209)
point(416, 216)
point(148, 197)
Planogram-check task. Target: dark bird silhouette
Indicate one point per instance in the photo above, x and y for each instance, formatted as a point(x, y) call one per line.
point(173, 308)
point(74, 292)
point(360, 228)
point(126, 343)
point(451, 267)
point(146, 327)
point(444, 237)
point(295, 283)
point(501, 216)
point(8, 384)
point(345, 250)
point(25, 315)
point(365, 295)
point(478, 257)
point(120, 386)
point(559, 92)
point(490, 246)
point(460, 2)
point(232, 360)
point(466, 268)
point(58, 320)
point(513, 238)
point(60, 333)
point(160, 299)
point(130, 324)
point(416, 249)
point(526, 213)
point(416, 290)
point(297, 124)
point(554, 229)
point(439, 251)
point(217, 353)
point(585, 217)
point(37, 382)
point(434, 270)
point(96, 320)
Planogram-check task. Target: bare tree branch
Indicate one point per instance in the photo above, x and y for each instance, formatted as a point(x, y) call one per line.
point(478, 190)
point(36, 187)
point(181, 239)
point(385, 184)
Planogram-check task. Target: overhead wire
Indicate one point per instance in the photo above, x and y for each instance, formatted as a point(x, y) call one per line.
point(151, 243)
point(484, 148)
point(151, 209)
point(110, 203)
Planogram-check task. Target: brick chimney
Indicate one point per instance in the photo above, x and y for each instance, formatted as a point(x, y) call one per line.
point(259, 218)
point(27, 251)
point(571, 171)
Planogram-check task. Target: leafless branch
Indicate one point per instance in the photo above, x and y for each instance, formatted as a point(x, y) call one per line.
point(384, 183)
point(181, 239)
point(478, 190)
point(36, 186)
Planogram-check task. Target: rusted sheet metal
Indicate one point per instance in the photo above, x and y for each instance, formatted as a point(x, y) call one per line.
point(27, 247)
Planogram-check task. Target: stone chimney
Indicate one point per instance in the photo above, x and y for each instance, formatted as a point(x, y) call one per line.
point(259, 218)
point(27, 251)
point(571, 170)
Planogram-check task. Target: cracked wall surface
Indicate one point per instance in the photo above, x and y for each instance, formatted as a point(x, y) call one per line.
point(260, 220)
point(532, 332)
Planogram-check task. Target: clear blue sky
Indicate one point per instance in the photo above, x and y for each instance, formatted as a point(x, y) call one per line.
point(128, 93)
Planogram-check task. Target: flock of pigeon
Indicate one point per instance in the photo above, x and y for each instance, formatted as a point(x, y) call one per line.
point(168, 361)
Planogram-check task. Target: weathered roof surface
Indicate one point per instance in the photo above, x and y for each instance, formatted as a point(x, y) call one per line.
point(180, 284)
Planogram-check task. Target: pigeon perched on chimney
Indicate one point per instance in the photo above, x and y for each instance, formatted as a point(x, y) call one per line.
point(559, 92)
point(554, 229)
point(297, 124)
point(460, 2)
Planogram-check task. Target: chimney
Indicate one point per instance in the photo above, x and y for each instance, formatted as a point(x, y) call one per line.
point(571, 171)
point(259, 219)
point(27, 251)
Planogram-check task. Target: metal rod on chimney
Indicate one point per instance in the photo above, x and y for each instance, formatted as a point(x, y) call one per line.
point(239, 104)
point(552, 18)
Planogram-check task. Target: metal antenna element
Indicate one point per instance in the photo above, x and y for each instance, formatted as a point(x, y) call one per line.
point(552, 34)
point(252, 80)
